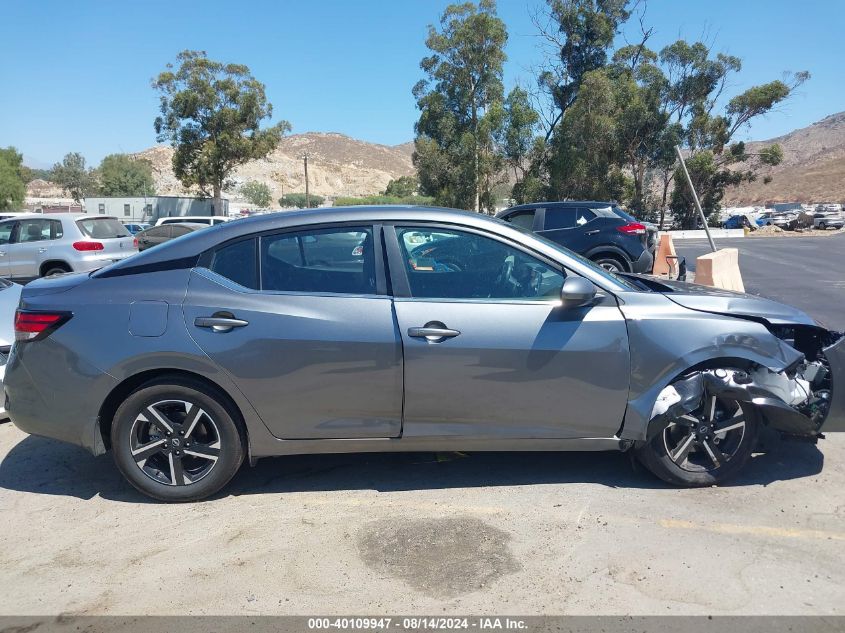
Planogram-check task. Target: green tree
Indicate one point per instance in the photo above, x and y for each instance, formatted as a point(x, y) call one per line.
point(298, 200)
point(122, 175)
point(257, 193)
point(74, 177)
point(211, 113)
point(402, 187)
point(518, 143)
point(12, 186)
point(461, 110)
point(580, 32)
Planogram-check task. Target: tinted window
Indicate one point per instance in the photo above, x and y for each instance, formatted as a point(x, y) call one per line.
point(157, 231)
point(6, 232)
point(237, 262)
point(523, 219)
point(102, 228)
point(457, 265)
point(559, 219)
point(177, 231)
point(338, 260)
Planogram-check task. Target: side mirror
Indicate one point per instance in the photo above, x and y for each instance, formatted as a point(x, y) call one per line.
point(577, 292)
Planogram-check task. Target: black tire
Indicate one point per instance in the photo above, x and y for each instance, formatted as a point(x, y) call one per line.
point(56, 269)
point(661, 455)
point(822, 226)
point(610, 263)
point(176, 469)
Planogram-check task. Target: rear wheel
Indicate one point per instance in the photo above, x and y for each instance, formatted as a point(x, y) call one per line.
point(704, 447)
point(176, 441)
point(610, 263)
point(822, 226)
point(55, 269)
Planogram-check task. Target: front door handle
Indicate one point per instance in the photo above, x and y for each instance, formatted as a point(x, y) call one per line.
point(433, 332)
point(220, 323)
point(42, 250)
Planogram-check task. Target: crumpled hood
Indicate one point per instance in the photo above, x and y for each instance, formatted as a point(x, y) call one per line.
point(728, 302)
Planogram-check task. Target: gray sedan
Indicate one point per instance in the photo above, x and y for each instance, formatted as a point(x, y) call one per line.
point(406, 329)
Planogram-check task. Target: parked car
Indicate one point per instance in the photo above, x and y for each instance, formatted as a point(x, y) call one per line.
point(737, 222)
point(828, 220)
point(10, 295)
point(481, 336)
point(136, 228)
point(600, 231)
point(36, 245)
point(156, 235)
point(208, 220)
point(785, 220)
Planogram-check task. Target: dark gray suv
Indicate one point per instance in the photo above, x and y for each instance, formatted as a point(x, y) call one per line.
point(600, 231)
point(405, 329)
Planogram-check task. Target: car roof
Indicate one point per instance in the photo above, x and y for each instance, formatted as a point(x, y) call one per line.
point(57, 216)
point(559, 204)
point(200, 241)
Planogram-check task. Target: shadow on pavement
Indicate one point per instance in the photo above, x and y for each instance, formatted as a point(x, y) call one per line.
point(46, 466)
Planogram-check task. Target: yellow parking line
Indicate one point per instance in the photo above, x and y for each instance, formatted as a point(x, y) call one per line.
point(754, 530)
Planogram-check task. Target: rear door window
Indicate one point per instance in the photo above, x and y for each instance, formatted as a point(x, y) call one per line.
point(238, 263)
point(338, 260)
point(560, 218)
point(102, 228)
point(33, 231)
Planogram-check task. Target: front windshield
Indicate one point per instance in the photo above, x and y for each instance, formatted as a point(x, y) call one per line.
point(617, 280)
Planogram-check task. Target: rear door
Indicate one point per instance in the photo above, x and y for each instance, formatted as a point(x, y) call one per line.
point(29, 244)
point(312, 341)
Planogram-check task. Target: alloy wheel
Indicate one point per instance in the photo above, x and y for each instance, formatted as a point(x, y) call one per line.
point(175, 442)
point(707, 438)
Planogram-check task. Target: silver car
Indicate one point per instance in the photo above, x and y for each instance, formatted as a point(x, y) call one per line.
point(405, 329)
point(36, 245)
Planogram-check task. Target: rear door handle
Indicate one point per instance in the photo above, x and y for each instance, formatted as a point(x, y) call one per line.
point(42, 250)
point(220, 324)
point(433, 332)
point(593, 232)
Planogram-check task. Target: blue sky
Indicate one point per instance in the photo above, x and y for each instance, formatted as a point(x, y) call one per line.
point(76, 74)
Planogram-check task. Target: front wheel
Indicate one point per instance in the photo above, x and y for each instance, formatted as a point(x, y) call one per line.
point(175, 440)
point(704, 447)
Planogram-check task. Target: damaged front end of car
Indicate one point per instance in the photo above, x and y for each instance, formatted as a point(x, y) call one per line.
point(798, 401)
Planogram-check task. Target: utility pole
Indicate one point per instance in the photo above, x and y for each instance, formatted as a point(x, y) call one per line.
point(695, 198)
point(307, 190)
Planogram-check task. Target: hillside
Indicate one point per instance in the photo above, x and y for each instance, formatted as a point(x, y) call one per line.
point(337, 166)
point(813, 167)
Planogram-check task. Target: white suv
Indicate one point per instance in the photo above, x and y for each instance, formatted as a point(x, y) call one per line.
point(39, 245)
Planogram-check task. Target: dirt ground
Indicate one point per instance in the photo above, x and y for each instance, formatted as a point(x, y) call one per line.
point(576, 533)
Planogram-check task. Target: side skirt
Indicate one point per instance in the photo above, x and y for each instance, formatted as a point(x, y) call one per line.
point(419, 444)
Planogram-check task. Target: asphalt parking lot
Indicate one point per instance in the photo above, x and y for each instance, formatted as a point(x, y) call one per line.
point(518, 533)
point(807, 272)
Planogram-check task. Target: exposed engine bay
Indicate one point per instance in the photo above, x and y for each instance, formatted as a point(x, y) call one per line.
point(794, 401)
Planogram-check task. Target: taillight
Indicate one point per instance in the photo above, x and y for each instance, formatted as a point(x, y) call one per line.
point(88, 246)
point(32, 325)
point(135, 242)
point(632, 228)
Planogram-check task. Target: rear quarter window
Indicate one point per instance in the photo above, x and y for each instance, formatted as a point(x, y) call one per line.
point(238, 263)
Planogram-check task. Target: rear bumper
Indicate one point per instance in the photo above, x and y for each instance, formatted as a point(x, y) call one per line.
point(87, 263)
point(43, 398)
point(644, 264)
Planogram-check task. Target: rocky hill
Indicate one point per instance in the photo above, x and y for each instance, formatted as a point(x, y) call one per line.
point(337, 166)
point(813, 167)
